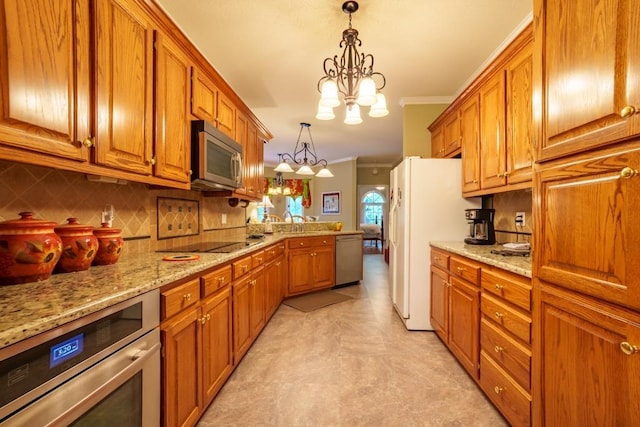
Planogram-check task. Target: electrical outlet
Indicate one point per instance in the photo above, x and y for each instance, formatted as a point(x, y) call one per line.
point(223, 219)
point(520, 219)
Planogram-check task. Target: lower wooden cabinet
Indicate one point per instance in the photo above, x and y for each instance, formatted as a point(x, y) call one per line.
point(275, 274)
point(587, 361)
point(311, 263)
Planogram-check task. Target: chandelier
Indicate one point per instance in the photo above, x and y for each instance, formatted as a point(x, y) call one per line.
point(278, 186)
point(351, 75)
point(304, 154)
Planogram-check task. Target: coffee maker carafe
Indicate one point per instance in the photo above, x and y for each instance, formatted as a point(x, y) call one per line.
point(481, 230)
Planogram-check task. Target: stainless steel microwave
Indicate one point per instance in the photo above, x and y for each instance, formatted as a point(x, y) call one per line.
point(216, 159)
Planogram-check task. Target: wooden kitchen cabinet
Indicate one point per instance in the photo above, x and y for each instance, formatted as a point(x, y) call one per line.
point(470, 142)
point(275, 275)
point(445, 135)
point(437, 141)
point(587, 213)
point(493, 132)
point(46, 80)
point(124, 86)
point(589, 95)
point(197, 338)
point(311, 263)
point(248, 304)
point(455, 301)
point(585, 376)
point(212, 104)
point(173, 95)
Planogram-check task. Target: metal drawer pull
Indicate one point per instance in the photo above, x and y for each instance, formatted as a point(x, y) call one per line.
point(221, 280)
point(498, 349)
point(461, 269)
point(499, 287)
point(628, 172)
point(436, 258)
point(187, 297)
point(498, 389)
point(627, 111)
point(628, 348)
point(499, 315)
point(205, 318)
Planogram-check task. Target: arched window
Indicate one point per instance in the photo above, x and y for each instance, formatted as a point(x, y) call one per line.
point(372, 205)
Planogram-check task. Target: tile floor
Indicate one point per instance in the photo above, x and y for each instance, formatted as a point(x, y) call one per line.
point(349, 364)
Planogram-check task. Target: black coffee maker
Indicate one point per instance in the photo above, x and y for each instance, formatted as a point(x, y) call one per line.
point(481, 230)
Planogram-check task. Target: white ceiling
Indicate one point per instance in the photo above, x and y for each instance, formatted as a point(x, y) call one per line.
point(271, 53)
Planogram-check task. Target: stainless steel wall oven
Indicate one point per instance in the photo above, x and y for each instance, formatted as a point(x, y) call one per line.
point(102, 369)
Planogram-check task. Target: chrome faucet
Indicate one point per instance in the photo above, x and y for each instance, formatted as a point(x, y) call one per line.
point(284, 218)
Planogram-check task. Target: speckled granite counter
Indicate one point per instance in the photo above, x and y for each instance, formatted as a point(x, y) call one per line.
point(516, 264)
point(31, 308)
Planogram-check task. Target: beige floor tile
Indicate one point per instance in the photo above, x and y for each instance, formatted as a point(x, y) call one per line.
point(349, 364)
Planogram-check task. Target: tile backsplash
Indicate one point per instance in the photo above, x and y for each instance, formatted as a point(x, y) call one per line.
point(56, 195)
point(506, 205)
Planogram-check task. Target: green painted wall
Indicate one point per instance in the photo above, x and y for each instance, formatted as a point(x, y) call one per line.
point(416, 138)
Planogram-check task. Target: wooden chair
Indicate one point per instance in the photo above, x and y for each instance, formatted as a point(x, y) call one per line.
point(275, 218)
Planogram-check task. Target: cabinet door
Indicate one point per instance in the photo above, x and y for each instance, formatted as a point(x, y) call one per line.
point(451, 133)
point(257, 302)
point(300, 270)
point(241, 317)
point(182, 358)
point(203, 102)
point(585, 89)
point(172, 136)
point(226, 114)
point(437, 142)
point(492, 132)
point(519, 117)
point(464, 324)
point(590, 225)
point(258, 165)
point(440, 302)
point(273, 276)
point(251, 160)
point(324, 267)
point(124, 86)
point(45, 76)
point(586, 378)
point(217, 343)
point(470, 141)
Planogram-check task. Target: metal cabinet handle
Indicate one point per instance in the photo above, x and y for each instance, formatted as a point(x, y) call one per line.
point(628, 348)
point(498, 389)
point(151, 162)
point(221, 280)
point(498, 349)
point(204, 318)
point(436, 258)
point(627, 111)
point(461, 269)
point(499, 287)
point(187, 297)
point(88, 142)
point(499, 315)
point(628, 172)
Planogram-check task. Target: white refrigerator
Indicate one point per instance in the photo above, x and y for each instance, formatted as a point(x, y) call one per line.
point(426, 204)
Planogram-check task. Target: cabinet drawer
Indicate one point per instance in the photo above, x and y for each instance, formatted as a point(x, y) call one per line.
point(306, 242)
point(509, 318)
point(513, 401)
point(507, 352)
point(440, 259)
point(257, 259)
point(176, 299)
point(211, 282)
point(512, 288)
point(274, 251)
point(466, 269)
point(242, 267)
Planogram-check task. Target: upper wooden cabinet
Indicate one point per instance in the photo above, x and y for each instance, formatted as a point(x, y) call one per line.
point(437, 141)
point(124, 86)
point(211, 104)
point(470, 141)
point(589, 93)
point(445, 135)
point(493, 157)
point(45, 77)
point(172, 142)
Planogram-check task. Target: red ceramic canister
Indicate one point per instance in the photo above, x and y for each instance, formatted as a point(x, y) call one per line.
point(79, 246)
point(29, 249)
point(110, 243)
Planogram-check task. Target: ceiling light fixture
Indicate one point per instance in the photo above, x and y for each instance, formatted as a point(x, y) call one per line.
point(352, 75)
point(279, 186)
point(304, 154)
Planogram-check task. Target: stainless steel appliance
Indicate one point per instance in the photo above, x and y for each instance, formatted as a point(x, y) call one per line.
point(348, 258)
point(481, 231)
point(102, 369)
point(216, 159)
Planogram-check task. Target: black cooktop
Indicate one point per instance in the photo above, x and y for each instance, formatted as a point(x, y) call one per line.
point(212, 247)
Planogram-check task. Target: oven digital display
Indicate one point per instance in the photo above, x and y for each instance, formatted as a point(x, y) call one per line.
point(66, 350)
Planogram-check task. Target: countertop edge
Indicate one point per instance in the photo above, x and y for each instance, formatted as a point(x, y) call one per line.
point(482, 253)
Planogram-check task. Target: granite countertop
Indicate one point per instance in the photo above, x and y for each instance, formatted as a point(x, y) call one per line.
point(31, 308)
point(516, 264)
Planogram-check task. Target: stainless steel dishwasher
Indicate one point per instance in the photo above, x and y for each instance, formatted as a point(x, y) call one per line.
point(348, 258)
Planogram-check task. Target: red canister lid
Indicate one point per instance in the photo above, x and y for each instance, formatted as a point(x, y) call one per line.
point(26, 225)
point(73, 226)
point(106, 231)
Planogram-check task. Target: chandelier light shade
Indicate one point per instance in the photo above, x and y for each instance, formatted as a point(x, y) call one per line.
point(304, 155)
point(352, 76)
